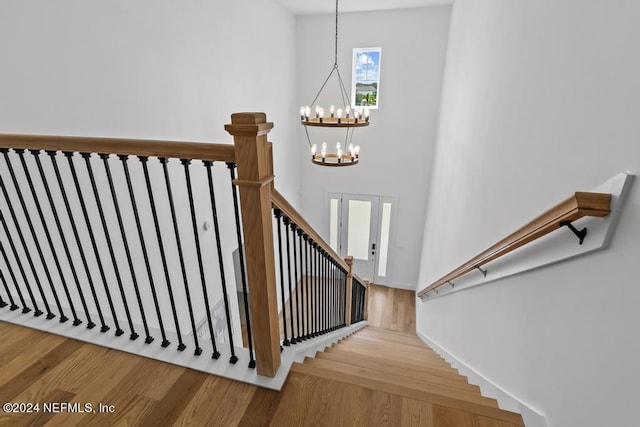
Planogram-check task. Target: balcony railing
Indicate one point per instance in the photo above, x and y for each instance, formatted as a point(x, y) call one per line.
point(135, 238)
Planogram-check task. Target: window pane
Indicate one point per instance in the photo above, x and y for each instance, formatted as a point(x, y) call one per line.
point(359, 228)
point(384, 239)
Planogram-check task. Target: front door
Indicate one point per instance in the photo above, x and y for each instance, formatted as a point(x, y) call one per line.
point(359, 232)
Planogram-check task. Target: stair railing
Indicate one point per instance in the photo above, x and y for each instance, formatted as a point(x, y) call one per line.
point(89, 234)
point(106, 232)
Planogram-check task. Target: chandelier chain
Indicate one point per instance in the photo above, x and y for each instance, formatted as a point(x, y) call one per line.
point(336, 47)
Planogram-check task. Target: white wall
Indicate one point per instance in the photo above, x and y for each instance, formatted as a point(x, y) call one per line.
point(402, 134)
point(149, 69)
point(157, 70)
point(540, 100)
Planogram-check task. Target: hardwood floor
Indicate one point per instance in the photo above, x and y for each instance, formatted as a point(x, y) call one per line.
point(380, 376)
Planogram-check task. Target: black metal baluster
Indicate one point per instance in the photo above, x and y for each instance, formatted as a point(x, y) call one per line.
point(50, 315)
point(330, 304)
point(234, 192)
point(90, 324)
point(25, 308)
point(354, 301)
point(114, 199)
point(2, 303)
point(329, 292)
point(216, 227)
point(301, 335)
point(96, 252)
point(286, 229)
point(183, 269)
point(125, 166)
point(297, 283)
point(278, 214)
point(307, 284)
point(332, 291)
point(163, 256)
point(63, 317)
point(327, 287)
point(316, 290)
point(359, 311)
point(343, 286)
point(336, 293)
point(338, 290)
point(45, 182)
point(4, 282)
point(194, 222)
point(321, 277)
point(114, 262)
point(37, 311)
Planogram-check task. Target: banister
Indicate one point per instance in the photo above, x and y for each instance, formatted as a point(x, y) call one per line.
point(579, 205)
point(281, 203)
point(135, 147)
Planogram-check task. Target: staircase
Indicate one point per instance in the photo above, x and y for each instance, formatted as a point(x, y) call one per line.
point(383, 377)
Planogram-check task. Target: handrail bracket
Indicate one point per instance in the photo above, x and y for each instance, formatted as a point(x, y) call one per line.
point(579, 233)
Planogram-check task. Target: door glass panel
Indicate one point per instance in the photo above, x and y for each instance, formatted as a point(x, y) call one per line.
point(359, 229)
point(384, 239)
point(333, 224)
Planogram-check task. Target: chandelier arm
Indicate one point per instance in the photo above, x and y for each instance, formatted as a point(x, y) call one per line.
point(343, 89)
point(308, 137)
point(335, 68)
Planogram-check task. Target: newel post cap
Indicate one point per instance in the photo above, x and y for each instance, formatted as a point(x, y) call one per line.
point(248, 124)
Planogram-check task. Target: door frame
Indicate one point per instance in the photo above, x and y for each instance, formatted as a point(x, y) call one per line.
point(382, 199)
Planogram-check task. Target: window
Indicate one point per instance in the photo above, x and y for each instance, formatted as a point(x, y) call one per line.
point(365, 88)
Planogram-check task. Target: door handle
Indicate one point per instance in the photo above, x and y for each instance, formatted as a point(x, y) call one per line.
point(373, 249)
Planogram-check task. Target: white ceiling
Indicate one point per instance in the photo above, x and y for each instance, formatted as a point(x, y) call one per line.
point(311, 7)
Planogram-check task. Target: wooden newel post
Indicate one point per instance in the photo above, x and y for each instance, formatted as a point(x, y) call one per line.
point(349, 261)
point(255, 175)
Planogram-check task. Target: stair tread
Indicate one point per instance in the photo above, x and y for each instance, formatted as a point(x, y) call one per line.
point(404, 338)
point(425, 396)
point(400, 371)
point(403, 381)
point(393, 354)
point(422, 351)
point(417, 366)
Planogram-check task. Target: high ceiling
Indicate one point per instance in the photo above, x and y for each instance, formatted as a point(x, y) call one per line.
point(310, 7)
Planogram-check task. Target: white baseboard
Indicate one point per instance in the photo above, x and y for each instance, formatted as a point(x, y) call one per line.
point(506, 401)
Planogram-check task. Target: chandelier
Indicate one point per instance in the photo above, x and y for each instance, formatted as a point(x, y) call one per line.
point(344, 117)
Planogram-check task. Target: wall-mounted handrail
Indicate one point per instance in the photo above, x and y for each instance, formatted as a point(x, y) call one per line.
point(134, 147)
point(579, 205)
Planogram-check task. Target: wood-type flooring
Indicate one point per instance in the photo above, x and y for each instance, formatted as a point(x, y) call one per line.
point(381, 376)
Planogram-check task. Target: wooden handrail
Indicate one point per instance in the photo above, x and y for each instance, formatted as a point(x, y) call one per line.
point(281, 203)
point(135, 147)
point(579, 205)
point(287, 210)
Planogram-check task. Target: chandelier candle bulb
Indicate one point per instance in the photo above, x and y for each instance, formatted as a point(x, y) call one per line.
point(347, 111)
point(302, 113)
point(317, 111)
point(339, 155)
point(339, 115)
point(314, 149)
point(320, 114)
point(307, 112)
point(332, 109)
